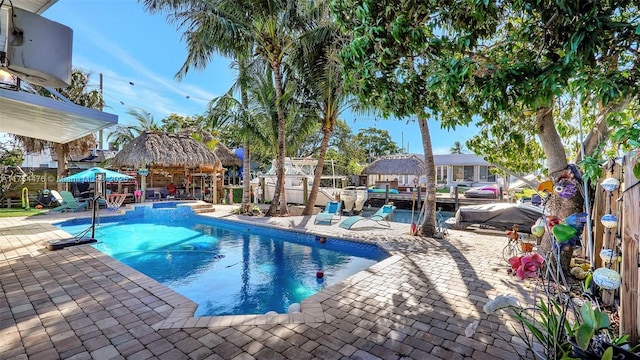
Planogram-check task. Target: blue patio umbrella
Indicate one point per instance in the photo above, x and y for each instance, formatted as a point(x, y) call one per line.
point(89, 176)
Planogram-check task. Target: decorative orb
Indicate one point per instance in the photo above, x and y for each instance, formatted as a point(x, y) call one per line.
point(607, 255)
point(563, 233)
point(609, 221)
point(607, 279)
point(610, 184)
point(537, 230)
point(320, 274)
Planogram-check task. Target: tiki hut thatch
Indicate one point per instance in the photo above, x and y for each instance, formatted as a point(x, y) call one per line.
point(407, 165)
point(160, 149)
point(226, 156)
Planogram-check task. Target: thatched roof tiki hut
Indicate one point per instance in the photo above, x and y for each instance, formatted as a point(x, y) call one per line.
point(168, 153)
point(396, 166)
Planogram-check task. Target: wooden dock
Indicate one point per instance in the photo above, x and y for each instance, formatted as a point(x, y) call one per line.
point(407, 199)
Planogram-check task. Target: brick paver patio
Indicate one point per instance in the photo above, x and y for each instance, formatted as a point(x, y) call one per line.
point(77, 303)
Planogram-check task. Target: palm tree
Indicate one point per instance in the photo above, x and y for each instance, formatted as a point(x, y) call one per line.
point(210, 29)
point(123, 134)
point(457, 148)
point(78, 93)
point(321, 71)
point(243, 27)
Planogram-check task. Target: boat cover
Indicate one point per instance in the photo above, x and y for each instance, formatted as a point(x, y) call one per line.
point(499, 215)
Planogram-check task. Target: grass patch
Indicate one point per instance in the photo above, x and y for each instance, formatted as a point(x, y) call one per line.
point(4, 213)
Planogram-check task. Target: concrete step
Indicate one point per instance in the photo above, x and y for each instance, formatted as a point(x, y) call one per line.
point(200, 206)
point(202, 210)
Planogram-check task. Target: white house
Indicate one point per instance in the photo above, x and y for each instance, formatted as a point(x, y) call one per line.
point(451, 169)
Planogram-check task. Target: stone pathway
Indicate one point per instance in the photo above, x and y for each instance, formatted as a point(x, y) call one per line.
point(77, 303)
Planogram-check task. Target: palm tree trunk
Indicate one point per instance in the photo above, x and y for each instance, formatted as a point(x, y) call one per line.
point(61, 154)
point(311, 202)
point(246, 160)
point(279, 194)
point(429, 224)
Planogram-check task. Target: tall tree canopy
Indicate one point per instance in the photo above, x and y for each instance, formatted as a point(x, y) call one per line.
point(498, 63)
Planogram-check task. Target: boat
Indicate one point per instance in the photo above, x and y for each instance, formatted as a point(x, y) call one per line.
point(362, 194)
point(348, 197)
point(297, 171)
point(353, 198)
point(500, 216)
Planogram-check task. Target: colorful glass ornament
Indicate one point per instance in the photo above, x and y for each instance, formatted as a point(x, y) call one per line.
point(567, 191)
point(552, 220)
point(610, 184)
point(609, 221)
point(563, 232)
point(576, 220)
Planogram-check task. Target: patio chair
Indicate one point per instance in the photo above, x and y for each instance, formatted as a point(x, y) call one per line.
point(333, 208)
point(69, 203)
point(381, 217)
point(57, 198)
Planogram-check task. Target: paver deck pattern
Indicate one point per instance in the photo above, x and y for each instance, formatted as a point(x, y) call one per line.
point(77, 303)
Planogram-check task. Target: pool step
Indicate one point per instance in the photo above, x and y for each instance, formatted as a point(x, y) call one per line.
point(203, 208)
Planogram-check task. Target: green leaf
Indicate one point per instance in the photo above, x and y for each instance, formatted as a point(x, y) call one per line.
point(608, 354)
point(584, 334)
point(587, 314)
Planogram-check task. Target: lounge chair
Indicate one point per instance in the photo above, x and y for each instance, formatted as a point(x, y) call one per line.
point(56, 197)
point(333, 208)
point(381, 217)
point(69, 203)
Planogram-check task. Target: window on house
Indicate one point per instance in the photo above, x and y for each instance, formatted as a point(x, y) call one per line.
point(486, 175)
point(441, 174)
point(463, 173)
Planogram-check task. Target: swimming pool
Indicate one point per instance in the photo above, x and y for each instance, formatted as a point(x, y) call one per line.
point(225, 267)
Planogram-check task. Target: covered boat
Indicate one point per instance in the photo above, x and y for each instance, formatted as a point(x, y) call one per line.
point(501, 216)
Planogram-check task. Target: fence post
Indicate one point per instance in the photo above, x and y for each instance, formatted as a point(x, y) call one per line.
point(629, 320)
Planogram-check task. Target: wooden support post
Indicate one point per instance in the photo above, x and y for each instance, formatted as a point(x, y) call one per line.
point(629, 321)
point(305, 191)
point(214, 188)
point(386, 194)
point(456, 201)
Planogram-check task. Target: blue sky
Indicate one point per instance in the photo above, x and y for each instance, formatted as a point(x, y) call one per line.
point(127, 45)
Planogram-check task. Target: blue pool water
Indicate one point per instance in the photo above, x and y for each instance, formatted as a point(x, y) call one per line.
point(404, 216)
point(227, 268)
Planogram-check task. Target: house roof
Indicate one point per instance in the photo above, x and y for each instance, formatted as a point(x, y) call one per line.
point(405, 165)
point(44, 118)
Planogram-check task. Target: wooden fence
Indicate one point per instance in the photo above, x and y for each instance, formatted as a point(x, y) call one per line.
point(630, 197)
